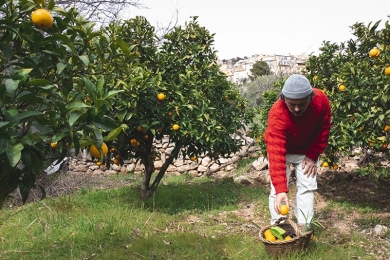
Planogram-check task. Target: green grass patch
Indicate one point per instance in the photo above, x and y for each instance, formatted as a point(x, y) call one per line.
point(181, 221)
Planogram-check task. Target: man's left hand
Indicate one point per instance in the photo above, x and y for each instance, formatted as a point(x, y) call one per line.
point(309, 167)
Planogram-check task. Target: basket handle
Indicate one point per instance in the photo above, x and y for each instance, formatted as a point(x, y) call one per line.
point(277, 222)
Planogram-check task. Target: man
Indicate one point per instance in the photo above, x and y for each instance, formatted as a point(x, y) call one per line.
point(297, 133)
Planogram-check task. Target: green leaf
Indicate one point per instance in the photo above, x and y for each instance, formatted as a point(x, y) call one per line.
point(60, 67)
point(113, 134)
point(4, 142)
point(27, 7)
point(31, 160)
point(51, 5)
point(123, 45)
point(112, 93)
point(14, 153)
point(29, 114)
point(7, 51)
point(84, 59)
point(11, 86)
point(278, 232)
point(73, 118)
point(26, 184)
point(3, 124)
point(105, 123)
point(100, 86)
point(90, 88)
point(63, 38)
point(40, 82)
point(76, 104)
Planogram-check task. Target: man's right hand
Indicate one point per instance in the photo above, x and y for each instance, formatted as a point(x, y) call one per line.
point(280, 197)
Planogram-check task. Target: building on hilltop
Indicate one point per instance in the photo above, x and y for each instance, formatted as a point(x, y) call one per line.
point(279, 65)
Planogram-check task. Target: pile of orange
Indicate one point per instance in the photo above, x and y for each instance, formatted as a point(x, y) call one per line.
point(268, 236)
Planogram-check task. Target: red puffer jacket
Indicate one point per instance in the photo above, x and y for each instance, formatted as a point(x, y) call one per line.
point(288, 134)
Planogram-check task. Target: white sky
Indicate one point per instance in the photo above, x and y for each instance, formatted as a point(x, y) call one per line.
point(248, 27)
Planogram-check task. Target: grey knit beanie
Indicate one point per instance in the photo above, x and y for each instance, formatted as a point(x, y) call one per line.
point(297, 87)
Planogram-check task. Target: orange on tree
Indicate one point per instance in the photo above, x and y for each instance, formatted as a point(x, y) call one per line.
point(342, 87)
point(54, 145)
point(386, 128)
point(193, 158)
point(116, 161)
point(283, 209)
point(335, 167)
point(170, 113)
point(99, 163)
point(140, 128)
point(374, 52)
point(161, 96)
point(112, 149)
point(118, 157)
point(134, 142)
point(387, 71)
point(42, 19)
point(175, 127)
point(146, 137)
point(95, 152)
point(325, 164)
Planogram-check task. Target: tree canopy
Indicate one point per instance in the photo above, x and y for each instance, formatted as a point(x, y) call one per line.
point(260, 68)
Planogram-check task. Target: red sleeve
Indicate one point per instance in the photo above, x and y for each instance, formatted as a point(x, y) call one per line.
point(320, 141)
point(276, 137)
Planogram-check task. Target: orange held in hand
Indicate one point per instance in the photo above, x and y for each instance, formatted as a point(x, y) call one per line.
point(283, 209)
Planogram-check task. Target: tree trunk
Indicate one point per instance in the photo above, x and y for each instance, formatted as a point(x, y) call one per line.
point(146, 190)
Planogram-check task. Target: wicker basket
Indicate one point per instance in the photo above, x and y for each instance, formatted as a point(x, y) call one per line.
point(280, 248)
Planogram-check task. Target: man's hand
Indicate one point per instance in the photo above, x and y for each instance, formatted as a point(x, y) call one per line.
point(280, 197)
point(309, 167)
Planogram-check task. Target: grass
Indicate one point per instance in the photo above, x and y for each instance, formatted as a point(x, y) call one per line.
point(187, 218)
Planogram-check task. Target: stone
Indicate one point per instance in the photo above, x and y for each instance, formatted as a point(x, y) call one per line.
point(158, 164)
point(98, 172)
point(202, 168)
point(81, 168)
point(193, 173)
point(130, 167)
point(206, 161)
point(168, 150)
point(186, 168)
point(260, 164)
point(380, 231)
point(115, 167)
point(230, 167)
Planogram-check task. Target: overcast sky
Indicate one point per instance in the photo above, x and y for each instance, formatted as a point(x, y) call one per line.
point(248, 27)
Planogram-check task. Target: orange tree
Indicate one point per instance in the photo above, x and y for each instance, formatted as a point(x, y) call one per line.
point(51, 90)
point(353, 75)
point(73, 86)
point(181, 95)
